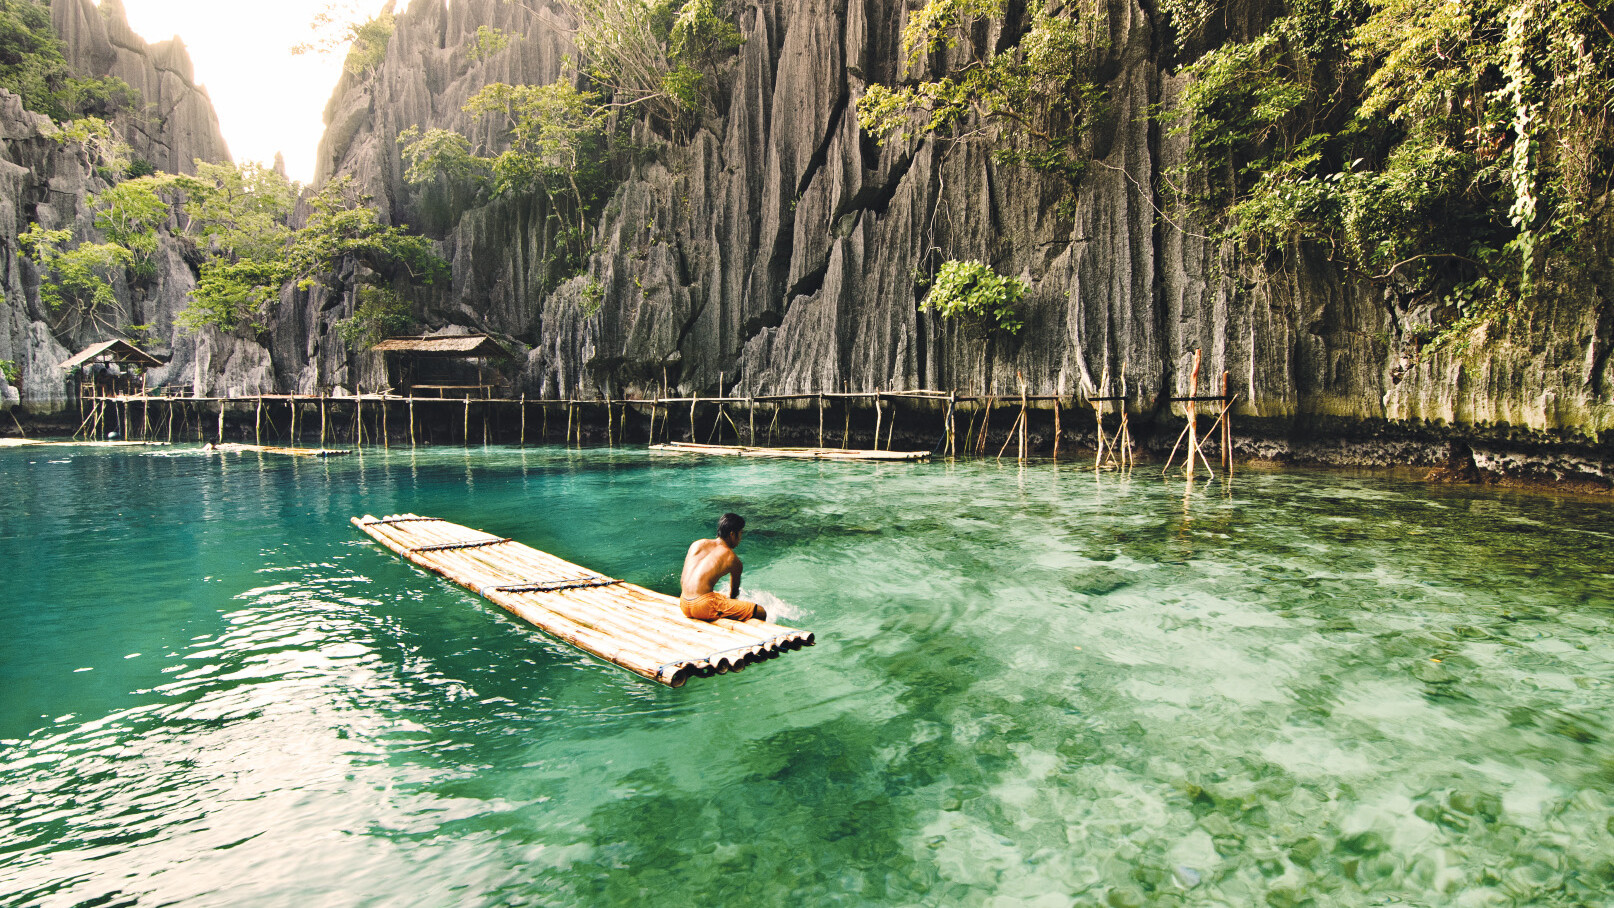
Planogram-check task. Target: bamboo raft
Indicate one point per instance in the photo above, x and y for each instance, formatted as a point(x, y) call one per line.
point(232, 448)
point(638, 629)
point(684, 447)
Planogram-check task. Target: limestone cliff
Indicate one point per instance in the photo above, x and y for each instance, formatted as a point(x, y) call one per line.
point(50, 182)
point(777, 244)
point(177, 123)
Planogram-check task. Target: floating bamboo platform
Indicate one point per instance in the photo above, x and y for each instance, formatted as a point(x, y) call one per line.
point(638, 629)
point(233, 448)
point(684, 447)
point(31, 443)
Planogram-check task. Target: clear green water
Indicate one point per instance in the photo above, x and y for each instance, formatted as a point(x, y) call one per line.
point(1033, 687)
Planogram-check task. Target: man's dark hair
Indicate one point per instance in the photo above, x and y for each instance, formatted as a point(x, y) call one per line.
point(729, 524)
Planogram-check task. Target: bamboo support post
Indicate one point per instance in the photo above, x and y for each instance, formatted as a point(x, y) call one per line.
point(1025, 418)
point(523, 419)
point(1193, 416)
point(879, 414)
point(221, 421)
point(820, 420)
point(1057, 429)
point(1227, 427)
point(322, 419)
point(986, 422)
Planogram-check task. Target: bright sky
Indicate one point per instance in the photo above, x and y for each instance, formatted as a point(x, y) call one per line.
point(267, 99)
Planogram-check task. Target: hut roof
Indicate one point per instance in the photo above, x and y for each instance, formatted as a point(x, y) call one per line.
point(120, 351)
point(453, 345)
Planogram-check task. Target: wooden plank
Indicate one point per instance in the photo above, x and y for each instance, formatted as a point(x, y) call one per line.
point(233, 448)
point(632, 627)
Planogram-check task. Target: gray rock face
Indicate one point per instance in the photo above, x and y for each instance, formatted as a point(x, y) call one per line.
point(777, 246)
point(179, 124)
point(53, 183)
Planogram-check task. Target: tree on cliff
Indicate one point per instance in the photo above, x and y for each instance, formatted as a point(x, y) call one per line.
point(1455, 153)
point(33, 68)
point(1028, 96)
point(661, 59)
point(256, 256)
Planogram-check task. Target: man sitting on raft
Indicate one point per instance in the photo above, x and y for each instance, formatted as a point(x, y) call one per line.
point(709, 559)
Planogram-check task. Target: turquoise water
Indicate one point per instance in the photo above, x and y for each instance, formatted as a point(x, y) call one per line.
point(1033, 686)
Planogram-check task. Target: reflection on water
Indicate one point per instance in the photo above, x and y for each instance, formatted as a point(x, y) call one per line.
point(1034, 686)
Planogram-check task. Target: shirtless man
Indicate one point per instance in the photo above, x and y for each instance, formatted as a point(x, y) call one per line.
point(709, 559)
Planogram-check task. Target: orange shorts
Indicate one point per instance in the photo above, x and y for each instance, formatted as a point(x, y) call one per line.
point(714, 605)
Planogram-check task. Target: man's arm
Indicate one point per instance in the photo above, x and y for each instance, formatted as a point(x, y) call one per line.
point(734, 580)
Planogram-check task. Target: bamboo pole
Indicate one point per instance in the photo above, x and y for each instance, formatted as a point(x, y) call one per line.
point(221, 421)
point(322, 419)
point(257, 422)
point(846, 425)
point(465, 427)
point(1057, 429)
point(879, 413)
point(694, 398)
point(1227, 427)
point(386, 440)
point(820, 420)
point(1025, 417)
point(952, 423)
point(986, 422)
point(523, 419)
point(751, 416)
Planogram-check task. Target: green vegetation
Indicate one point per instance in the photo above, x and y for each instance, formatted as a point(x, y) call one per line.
point(662, 59)
point(1029, 99)
point(1453, 153)
point(11, 371)
point(380, 313)
point(33, 68)
point(76, 279)
point(252, 266)
point(340, 27)
point(971, 292)
point(557, 146)
point(663, 56)
point(488, 41)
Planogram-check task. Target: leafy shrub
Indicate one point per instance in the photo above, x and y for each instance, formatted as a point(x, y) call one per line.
point(973, 293)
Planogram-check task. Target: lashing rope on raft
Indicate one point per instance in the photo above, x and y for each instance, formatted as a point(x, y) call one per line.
point(450, 546)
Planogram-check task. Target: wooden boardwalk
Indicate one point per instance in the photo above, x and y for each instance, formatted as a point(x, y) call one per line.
point(638, 629)
point(684, 447)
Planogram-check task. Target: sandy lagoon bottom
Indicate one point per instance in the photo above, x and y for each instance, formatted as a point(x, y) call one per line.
point(1034, 686)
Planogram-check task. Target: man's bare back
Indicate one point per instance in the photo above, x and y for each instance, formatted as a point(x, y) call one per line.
point(708, 561)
